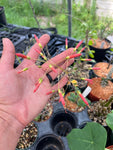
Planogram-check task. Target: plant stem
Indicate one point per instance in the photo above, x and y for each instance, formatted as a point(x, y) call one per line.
point(109, 101)
point(34, 14)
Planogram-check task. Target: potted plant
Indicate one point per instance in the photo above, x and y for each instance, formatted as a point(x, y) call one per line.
point(104, 70)
point(99, 110)
point(79, 71)
point(102, 87)
point(101, 44)
point(73, 101)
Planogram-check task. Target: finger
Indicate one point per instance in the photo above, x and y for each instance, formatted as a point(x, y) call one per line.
point(44, 39)
point(8, 54)
point(61, 68)
point(57, 60)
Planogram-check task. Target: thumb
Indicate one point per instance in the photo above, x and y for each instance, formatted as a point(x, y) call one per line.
point(8, 55)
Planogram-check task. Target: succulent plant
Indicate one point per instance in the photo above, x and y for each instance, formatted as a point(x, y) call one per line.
point(99, 110)
point(75, 97)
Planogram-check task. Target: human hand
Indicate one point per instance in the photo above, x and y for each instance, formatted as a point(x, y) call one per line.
point(17, 100)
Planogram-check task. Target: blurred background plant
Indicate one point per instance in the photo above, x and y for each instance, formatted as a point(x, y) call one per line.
point(53, 14)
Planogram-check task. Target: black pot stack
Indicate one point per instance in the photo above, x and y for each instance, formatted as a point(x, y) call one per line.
point(52, 133)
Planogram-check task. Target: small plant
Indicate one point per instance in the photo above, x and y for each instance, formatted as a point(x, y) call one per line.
point(75, 98)
point(51, 66)
point(99, 110)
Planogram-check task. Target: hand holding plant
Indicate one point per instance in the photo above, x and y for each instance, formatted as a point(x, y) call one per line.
point(20, 99)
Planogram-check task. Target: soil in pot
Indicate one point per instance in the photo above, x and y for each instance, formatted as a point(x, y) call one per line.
point(28, 136)
point(75, 104)
point(78, 71)
point(100, 89)
point(45, 113)
point(104, 69)
point(97, 43)
point(98, 111)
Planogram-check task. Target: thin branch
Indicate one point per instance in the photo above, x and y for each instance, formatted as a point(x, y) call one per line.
point(34, 14)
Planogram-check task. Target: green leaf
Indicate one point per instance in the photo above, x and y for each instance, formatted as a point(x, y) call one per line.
point(109, 120)
point(90, 42)
point(90, 54)
point(72, 97)
point(92, 137)
point(80, 102)
point(111, 49)
point(37, 118)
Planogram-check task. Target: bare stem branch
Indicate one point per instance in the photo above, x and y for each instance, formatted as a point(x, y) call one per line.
point(34, 14)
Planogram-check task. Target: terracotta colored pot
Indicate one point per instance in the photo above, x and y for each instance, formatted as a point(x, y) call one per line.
point(110, 147)
point(103, 72)
point(72, 106)
point(98, 91)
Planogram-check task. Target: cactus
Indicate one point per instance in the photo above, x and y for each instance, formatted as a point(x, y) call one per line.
point(75, 98)
point(99, 110)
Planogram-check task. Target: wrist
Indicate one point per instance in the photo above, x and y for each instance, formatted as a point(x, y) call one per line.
point(10, 131)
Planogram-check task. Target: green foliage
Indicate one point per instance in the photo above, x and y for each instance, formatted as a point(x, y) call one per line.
point(90, 53)
point(92, 137)
point(37, 118)
point(19, 12)
point(109, 120)
point(83, 18)
point(75, 98)
point(72, 97)
point(105, 27)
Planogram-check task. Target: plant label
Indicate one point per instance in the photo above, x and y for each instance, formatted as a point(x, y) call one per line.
point(102, 45)
point(86, 91)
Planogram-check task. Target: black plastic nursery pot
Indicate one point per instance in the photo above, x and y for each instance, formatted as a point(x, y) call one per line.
point(100, 53)
point(3, 21)
point(50, 142)
point(109, 136)
point(63, 122)
point(52, 132)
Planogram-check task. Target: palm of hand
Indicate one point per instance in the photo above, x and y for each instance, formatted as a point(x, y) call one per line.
point(17, 99)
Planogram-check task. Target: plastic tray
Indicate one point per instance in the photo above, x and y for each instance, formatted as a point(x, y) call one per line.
point(52, 133)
